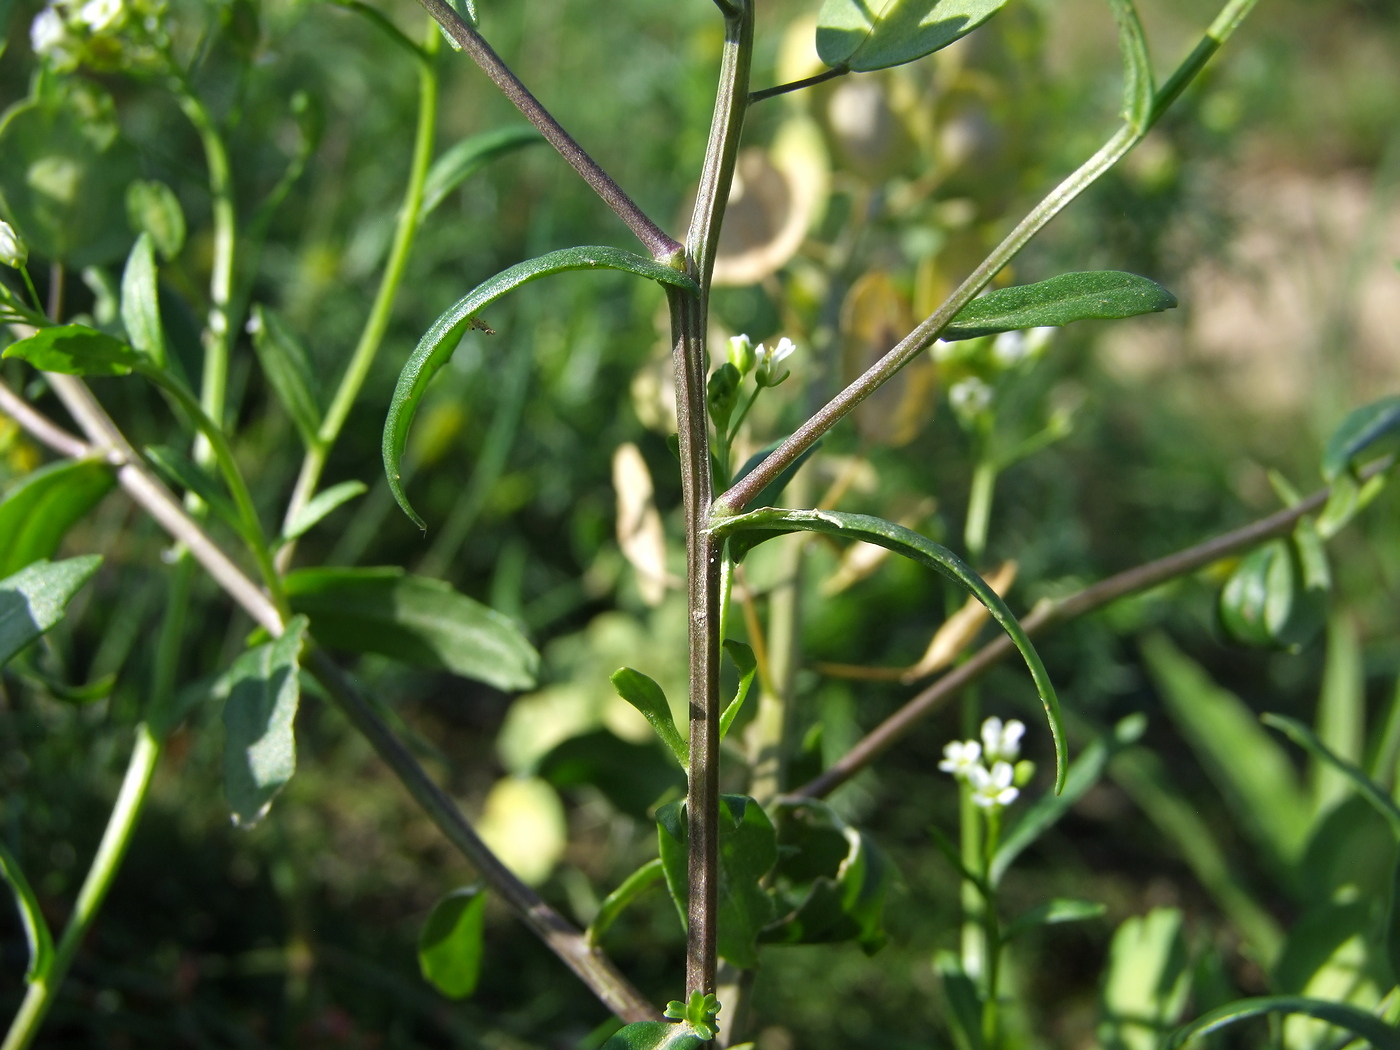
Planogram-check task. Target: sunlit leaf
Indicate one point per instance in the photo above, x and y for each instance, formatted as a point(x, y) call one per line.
point(647, 697)
point(154, 211)
point(31, 915)
point(1147, 980)
point(864, 35)
point(1307, 739)
point(1367, 1026)
point(40, 509)
point(75, 350)
point(452, 942)
point(1362, 429)
point(415, 619)
point(436, 347)
point(746, 530)
point(459, 162)
point(524, 825)
point(747, 665)
point(1095, 295)
point(260, 694)
point(655, 1035)
point(33, 599)
point(747, 851)
point(140, 306)
point(1053, 912)
point(322, 504)
point(289, 372)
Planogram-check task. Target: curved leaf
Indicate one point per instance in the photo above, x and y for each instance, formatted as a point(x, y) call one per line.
point(1098, 295)
point(772, 522)
point(865, 35)
point(38, 512)
point(1053, 912)
point(1358, 432)
point(1138, 88)
point(33, 599)
point(452, 941)
point(1368, 788)
point(1369, 1027)
point(646, 696)
point(436, 347)
point(31, 916)
point(464, 159)
point(322, 504)
point(641, 880)
point(75, 350)
point(140, 306)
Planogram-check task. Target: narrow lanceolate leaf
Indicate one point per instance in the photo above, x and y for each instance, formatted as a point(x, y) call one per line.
point(31, 917)
point(179, 470)
point(864, 35)
point(647, 697)
point(287, 366)
point(1098, 295)
point(260, 694)
point(414, 619)
point(436, 347)
point(469, 156)
point(1362, 429)
point(641, 880)
point(322, 504)
point(746, 530)
point(747, 665)
point(655, 1035)
point(1369, 1027)
point(33, 599)
point(1051, 913)
point(141, 302)
point(75, 350)
point(153, 209)
point(1308, 741)
point(452, 942)
point(1138, 87)
point(38, 512)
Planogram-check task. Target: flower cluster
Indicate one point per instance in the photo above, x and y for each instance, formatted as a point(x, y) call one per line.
point(763, 362)
point(989, 767)
point(102, 34)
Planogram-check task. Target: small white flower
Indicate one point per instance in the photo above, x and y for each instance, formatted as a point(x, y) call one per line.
point(1039, 339)
point(992, 789)
point(101, 15)
point(961, 757)
point(768, 361)
point(48, 33)
point(970, 397)
point(13, 251)
point(1002, 742)
point(1008, 349)
point(741, 354)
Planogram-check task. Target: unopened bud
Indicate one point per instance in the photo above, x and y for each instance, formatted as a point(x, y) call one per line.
point(741, 354)
point(1024, 773)
point(13, 251)
point(722, 394)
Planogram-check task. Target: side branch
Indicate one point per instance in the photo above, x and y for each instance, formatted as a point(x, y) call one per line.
point(1050, 614)
point(798, 85)
point(104, 439)
point(662, 246)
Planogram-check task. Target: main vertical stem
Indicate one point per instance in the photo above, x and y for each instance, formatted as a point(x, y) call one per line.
point(704, 556)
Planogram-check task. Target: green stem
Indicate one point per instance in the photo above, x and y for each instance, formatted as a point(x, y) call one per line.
point(979, 508)
point(372, 335)
point(991, 933)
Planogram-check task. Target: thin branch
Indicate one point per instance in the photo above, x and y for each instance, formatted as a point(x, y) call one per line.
point(798, 85)
point(1050, 614)
point(591, 965)
point(662, 246)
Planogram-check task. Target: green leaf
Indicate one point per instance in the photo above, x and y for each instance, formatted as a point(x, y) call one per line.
point(461, 161)
point(75, 350)
point(1147, 981)
point(260, 694)
point(964, 1014)
point(1252, 772)
point(1046, 811)
point(31, 915)
point(616, 902)
point(413, 619)
point(288, 369)
point(1367, 1026)
point(38, 512)
point(1265, 602)
point(1053, 912)
point(141, 302)
point(1360, 430)
point(180, 472)
point(1097, 295)
point(1340, 720)
point(747, 665)
point(633, 777)
point(1308, 741)
point(1392, 921)
point(453, 941)
point(1138, 87)
point(771, 492)
point(700, 1012)
point(865, 35)
point(435, 349)
point(764, 524)
point(747, 851)
point(655, 1035)
point(647, 697)
point(154, 211)
point(322, 504)
point(64, 168)
point(33, 599)
point(831, 880)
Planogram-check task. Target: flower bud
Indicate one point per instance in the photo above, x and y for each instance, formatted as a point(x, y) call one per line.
point(13, 251)
point(1024, 773)
point(741, 354)
point(722, 395)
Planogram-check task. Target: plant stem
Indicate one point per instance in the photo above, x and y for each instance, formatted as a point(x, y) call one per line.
point(704, 553)
point(979, 508)
point(662, 246)
point(798, 85)
point(372, 335)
